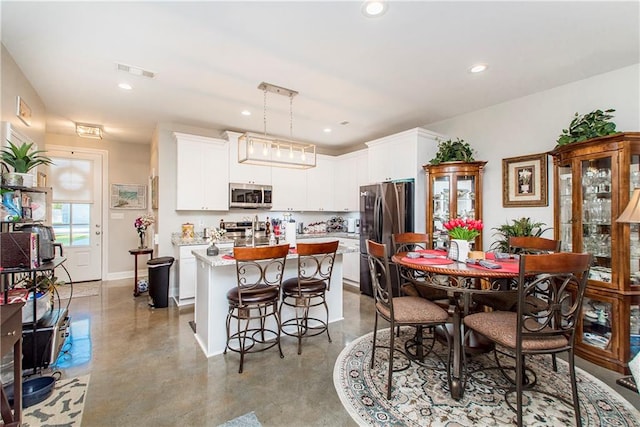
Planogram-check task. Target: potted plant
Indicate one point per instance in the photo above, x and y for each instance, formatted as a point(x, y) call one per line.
point(518, 227)
point(591, 125)
point(22, 159)
point(453, 151)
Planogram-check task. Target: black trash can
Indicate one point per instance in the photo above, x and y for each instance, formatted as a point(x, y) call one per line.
point(159, 281)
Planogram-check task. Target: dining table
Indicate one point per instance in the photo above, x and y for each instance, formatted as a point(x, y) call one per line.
point(461, 280)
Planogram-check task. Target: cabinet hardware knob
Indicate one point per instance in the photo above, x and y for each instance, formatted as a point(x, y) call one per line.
point(10, 334)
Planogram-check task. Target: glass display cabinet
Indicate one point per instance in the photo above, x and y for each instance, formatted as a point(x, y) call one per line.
point(593, 181)
point(454, 190)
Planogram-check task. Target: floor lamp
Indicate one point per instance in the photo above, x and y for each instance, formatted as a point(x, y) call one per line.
point(631, 215)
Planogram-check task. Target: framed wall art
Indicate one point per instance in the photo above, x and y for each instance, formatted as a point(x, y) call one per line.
point(23, 111)
point(128, 196)
point(154, 192)
point(524, 181)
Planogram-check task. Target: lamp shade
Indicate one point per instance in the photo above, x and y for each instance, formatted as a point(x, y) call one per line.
point(631, 213)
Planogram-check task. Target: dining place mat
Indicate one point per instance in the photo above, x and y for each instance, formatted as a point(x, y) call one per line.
point(428, 261)
point(432, 252)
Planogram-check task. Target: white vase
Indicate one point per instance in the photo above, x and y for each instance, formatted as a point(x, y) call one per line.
point(459, 249)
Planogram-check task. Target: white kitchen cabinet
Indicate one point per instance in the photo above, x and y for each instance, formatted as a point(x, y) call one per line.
point(241, 172)
point(351, 172)
point(202, 173)
point(351, 262)
point(186, 274)
point(289, 189)
point(401, 156)
point(320, 185)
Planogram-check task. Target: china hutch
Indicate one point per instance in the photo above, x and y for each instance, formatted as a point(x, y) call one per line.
point(593, 181)
point(454, 190)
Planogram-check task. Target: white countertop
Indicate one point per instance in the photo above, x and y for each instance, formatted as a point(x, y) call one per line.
point(220, 260)
point(177, 240)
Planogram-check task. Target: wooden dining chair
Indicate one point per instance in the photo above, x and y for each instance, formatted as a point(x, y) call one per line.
point(398, 311)
point(255, 299)
point(408, 279)
point(308, 290)
point(547, 331)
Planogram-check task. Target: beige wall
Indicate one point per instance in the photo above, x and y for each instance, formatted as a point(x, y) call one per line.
point(127, 164)
point(531, 125)
point(13, 83)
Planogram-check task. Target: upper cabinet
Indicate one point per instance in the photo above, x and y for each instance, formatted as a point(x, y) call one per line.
point(593, 182)
point(351, 172)
point(401, 156)
point(202, 181)
point(320, 184)
point(289, 189)
point(241, 172)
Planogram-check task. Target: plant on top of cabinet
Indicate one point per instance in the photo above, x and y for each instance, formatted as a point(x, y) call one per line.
point(453, 151)
point(591, 125)
point(22, 159)
point(518, 228)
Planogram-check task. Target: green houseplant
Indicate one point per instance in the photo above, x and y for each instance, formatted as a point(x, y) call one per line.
point(591, 125)
point(518, 227)
point(22, 159)
point(453, 151)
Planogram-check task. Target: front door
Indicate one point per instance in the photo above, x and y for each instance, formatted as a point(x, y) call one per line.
point(76, 178)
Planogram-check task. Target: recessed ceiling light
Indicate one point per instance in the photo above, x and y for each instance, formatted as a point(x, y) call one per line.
point(478, 68)
point(125, 86)
point(373, 8)
point(327, 130)
point(246, 113)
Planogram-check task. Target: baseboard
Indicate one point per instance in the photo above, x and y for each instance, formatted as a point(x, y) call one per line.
point(126, 275)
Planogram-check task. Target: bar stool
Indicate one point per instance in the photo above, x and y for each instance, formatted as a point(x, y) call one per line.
point(308, 290)
point(255, 299)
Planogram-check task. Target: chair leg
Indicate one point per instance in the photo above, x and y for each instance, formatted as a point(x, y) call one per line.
point(519, 387)
point(375, 333)
point(276, 315)
point(574, 388)
point(554, 362)
point(390, 372)
point(326, 308)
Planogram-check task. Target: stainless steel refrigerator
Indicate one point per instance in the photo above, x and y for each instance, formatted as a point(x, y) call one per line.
point(385, 209)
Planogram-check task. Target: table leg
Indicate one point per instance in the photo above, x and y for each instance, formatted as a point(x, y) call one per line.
point(135, 276)
point(457, 384)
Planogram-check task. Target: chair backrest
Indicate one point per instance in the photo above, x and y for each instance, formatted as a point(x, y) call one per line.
point(315, 261)
point(532, 244)
point(253, 275)
point(407, 242)
point(380, 275)
point(564, 277)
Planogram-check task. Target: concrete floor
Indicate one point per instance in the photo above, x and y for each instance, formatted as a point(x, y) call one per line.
point(147, 370)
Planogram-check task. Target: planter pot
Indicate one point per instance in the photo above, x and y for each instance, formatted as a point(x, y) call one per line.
point(459, 249)
point(12, 179)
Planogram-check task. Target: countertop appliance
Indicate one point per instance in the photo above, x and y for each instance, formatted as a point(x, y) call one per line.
point(250, 196)
point(385, 209)
point(46, 239)
point(351, 225)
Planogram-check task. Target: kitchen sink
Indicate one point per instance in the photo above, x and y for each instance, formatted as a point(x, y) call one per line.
point(259, 241)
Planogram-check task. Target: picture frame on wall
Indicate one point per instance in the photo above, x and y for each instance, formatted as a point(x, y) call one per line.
point(524, 181)
point(128, 196)
point(154, 192)
point(23, 111)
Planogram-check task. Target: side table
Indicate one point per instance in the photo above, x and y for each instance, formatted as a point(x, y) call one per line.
point(135, 253)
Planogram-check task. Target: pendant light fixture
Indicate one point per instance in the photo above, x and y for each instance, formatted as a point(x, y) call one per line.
point(265, 150)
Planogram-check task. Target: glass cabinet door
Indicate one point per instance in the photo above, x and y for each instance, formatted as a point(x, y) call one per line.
point(566, 208)
point(596, 215)
point(465, 197)
point(441, 207)
point(596, 323)
point(634, 229)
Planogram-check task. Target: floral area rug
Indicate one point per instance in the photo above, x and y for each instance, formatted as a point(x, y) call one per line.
point(421, 396)
point(63, 408)
point(80, 289)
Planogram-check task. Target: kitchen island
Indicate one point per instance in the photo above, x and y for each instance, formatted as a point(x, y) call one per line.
point(215, 275)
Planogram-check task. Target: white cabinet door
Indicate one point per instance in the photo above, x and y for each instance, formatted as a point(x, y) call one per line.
point(393, 160)
point(202, 173)
point(351, 172)
point(289, 189)
point(380, 163)
point(351, 261)
point(244, 173)
point(187, 274)
point(320, 185)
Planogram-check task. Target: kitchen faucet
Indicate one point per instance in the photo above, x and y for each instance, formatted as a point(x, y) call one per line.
point(254, 224)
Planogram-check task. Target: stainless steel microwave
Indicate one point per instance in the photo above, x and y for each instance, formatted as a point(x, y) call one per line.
point(251, 196)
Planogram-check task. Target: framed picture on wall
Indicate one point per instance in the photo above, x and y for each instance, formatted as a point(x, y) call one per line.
point(524, 181)
point(128, 196)
point(154, 192)
point(23, 111)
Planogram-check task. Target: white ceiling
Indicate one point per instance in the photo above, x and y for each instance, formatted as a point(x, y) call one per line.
point(405, 69)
